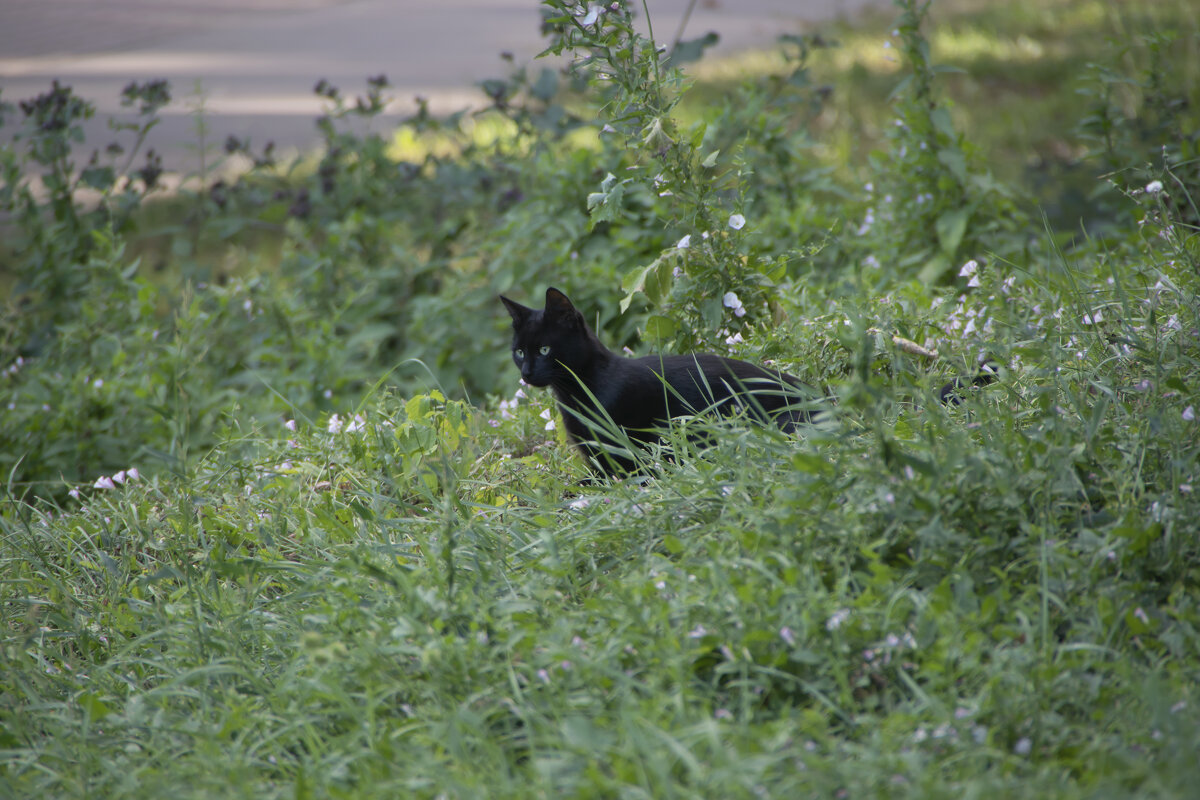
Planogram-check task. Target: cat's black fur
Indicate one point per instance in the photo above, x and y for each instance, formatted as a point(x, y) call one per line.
point(555, 347)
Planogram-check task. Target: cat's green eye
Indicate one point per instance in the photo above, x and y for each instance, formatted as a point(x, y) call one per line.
point(545, 350)
point(520, 353)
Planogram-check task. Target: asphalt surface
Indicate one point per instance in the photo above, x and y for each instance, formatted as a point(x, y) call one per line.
point(253, 63)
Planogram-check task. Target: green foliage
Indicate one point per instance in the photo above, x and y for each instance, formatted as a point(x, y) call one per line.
point(269, 530)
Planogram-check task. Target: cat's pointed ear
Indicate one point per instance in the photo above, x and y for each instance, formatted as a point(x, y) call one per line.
point(559, 307)
point(518, 312)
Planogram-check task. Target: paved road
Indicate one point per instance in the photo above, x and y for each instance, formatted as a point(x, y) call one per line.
point(255, 61)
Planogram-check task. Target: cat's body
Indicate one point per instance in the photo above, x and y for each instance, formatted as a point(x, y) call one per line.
point(554, 347)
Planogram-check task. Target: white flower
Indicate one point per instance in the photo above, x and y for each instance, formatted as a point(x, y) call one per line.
point(836, 619)
point(119, 477)
point(1154, 187)
point(1189, 413)
point(868, 221)
point(968, 269)
point(290, 424)
point(356, 424)
point(104, 482)
point(98, 382)
point(335, 424)
point(608, 129)
point(133, 474)
point(593, 14)
point(697, 632)
point(732, 301)
point(684, 243)
point(1093, 318)
point(974, 282)
point(74, 493)
point(735, 339)
point(737, 221)
point(786, 634)
point(546, 415)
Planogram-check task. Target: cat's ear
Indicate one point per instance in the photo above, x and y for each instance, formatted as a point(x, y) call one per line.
point(518, 312)
point(559, 307)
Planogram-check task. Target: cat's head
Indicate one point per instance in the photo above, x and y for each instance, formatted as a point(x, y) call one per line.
point(552, 343)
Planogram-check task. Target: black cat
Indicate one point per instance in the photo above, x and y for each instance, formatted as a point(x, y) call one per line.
point(597, 389)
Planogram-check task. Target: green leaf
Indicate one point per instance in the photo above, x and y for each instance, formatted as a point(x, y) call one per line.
point(546, 85)
point(934, 269)
point(606, 204)
point(710, 160)
point(98, 178)
point(954, 161)
point(93, 706)
point(942, 123)
point(660, 328)
point(951, 227)
point(653, 281)
point(692, 50)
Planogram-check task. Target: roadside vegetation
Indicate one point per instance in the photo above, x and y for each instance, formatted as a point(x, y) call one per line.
point(278, 520)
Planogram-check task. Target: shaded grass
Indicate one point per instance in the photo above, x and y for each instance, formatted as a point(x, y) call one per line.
point(1020, 82)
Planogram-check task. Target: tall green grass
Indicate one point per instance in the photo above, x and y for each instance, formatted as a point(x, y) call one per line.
point(339, 572)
